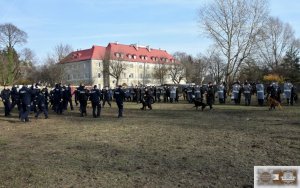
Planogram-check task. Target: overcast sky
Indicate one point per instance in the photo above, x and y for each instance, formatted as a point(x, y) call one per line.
point(166, 24)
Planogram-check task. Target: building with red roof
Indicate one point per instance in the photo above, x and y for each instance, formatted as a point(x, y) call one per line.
point(128, 65)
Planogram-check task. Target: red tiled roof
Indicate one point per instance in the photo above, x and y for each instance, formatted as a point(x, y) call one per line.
point(96, 52)
point(132, 53)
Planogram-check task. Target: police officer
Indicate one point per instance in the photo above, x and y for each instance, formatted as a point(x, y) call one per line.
point(95, 96)
point(119, 97)
point(210, 95)
point(147, 100)
point(273, 94)
point(41, 103)
point(158, 93)
point(58, 99)
point(25, 100)
point(15, 98)
point(260, 93)
point(34, 92)
point(172, 94)
point(69, 96)
point(190, 94)
point(47, 96)
point(287, 88)
point(197, 92)
point(221, 93)
point(83, 96)
point(5, 95)
point(106, 96)
point(247, 93)
point(235, 92)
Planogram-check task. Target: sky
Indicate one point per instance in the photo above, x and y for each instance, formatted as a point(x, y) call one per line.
point(166, 24)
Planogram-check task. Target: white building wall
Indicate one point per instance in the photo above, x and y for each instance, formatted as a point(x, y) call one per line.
point(78, 72)
point(90, 72)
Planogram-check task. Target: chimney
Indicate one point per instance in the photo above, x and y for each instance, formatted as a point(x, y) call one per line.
point(148, 48)
point(136, 46)
point(117, 42)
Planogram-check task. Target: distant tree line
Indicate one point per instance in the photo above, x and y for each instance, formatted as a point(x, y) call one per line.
point(248, 44)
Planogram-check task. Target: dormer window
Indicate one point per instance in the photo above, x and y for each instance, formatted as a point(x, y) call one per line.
point(134, 56)
point(129, 56)
point(117, 54)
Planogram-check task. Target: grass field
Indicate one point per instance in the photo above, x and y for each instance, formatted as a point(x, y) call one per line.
point(171, 146)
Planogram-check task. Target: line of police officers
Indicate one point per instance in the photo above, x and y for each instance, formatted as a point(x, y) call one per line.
point(35, 99)
point(246, 89)
point(28, 99)
point(272, 90)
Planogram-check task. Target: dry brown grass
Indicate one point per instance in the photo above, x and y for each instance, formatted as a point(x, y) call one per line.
point(170, 146)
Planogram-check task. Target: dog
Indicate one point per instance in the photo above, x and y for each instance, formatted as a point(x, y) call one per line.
point(199, 103)
point(273, 103)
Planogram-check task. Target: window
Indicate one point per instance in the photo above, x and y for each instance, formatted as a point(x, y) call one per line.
point(131, 65)
point(69, 77)
point(124, 75)
point(99, 64)
point(129, 56)
point(141, 75)
point(140, 66)
point(99, 75)
point(147, 75)
point(117, 55)
point(134, 56)
point(146, 58)
point(86, 75)
point(84, 66)
point(147, 66)
point(131, 75)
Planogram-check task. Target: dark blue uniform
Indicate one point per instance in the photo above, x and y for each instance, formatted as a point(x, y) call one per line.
point(68, 95)
point(15, 98)
point(147, 100)
point(34, 91)
point(119, 97)
point(5, 95)
point(41, 103)
point(106, 97)
point(57, 99)
point(210, 96)
point(83, 96)
point(95, 96)
point(25, 100)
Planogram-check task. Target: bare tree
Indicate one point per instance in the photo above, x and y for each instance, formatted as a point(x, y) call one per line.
point(61, 51)
point(52, 70)
point(10, 35)
point(276, 39)
point(187, 62)
point(215, 64)
point(27, 57)
point(160, 72)
point(200, 69)
point(177, 72)
point(234, 26)
point(117, 67)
